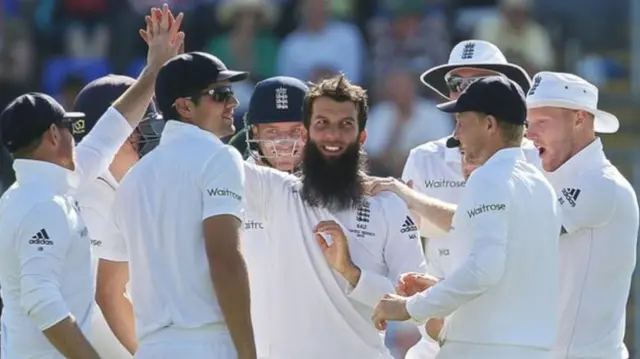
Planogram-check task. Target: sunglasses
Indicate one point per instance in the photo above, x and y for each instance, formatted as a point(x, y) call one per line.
point(219, 94)
point(458, 84)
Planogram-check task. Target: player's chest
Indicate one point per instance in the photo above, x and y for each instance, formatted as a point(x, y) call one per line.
point(444, 183)
point(81, 245)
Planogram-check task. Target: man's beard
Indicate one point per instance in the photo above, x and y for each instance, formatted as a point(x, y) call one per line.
point(334, 183)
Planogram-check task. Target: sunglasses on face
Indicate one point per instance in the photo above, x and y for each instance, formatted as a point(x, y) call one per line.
point(458, 84)
point(219, 94)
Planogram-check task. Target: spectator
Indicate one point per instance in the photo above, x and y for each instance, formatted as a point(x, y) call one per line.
point(16, 60)
point(402, 123)
point(520, 37)
point(413, 32)
point(71, 86)
point(247, 46)
point(321, 42)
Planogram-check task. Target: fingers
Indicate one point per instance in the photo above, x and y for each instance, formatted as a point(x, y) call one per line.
point(175, 26)
point(178, 45)
point(410, 183)
point(164, 22)
point(156, 17)
point(331, 228)
point(378, 317)
point(321, 242)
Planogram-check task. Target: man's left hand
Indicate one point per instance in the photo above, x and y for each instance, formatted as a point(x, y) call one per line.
point(336, 252)
point(391, 307)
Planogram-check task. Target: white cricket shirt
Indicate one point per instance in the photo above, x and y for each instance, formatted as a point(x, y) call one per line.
point(45, 260)
point(95, 200)
point(505, 291)
point(255, 248)
point(597, 255)
point(156, 226)
point(315, 312)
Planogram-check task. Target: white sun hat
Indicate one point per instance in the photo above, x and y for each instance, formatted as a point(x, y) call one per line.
point(476, 54)
point(563, 90)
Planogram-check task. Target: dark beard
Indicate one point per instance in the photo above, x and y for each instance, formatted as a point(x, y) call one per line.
point(335, 183)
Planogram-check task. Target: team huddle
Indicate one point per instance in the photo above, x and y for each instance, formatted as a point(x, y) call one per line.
point(281, 246)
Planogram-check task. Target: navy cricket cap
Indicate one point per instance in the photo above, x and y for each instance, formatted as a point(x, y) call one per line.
point(494, 95)
point(189, 74)
point(96, 97)
point(277, 99)
point(27, 117)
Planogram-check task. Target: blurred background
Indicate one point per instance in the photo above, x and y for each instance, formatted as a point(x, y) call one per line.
point(57, 46)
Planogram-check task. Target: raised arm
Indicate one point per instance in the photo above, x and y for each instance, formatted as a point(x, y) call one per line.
point(484, 267)
point(41, 266)
point(95, 152)
point(222, 197)
point(436, 212)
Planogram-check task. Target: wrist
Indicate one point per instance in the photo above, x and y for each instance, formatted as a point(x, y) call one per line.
point(352, 274)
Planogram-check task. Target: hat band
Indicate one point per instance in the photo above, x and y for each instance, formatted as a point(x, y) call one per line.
point(561, 103)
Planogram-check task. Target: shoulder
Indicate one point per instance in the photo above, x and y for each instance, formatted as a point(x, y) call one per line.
point(604, 184)
point(387, 202)
point(432, 150)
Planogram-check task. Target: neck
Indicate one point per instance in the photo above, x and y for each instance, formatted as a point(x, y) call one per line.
point(489, 151)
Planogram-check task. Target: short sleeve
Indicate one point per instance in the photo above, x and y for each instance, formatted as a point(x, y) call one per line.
point(410, 171)
point(223, 184)
point(42, 245)
point(588, 204)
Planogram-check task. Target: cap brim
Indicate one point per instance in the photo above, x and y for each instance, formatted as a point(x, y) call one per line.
point(74, 115)
point(449, 107)
point(232, 76)
point(434, 77)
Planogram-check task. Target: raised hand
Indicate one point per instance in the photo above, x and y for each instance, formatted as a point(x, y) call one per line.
point(374, 185)
point(163, 36)
point(336, 252)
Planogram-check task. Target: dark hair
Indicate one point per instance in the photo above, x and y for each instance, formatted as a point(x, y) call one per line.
point(337, 88)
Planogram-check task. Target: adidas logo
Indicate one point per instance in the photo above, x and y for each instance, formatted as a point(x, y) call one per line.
point(571, 195)
point(408, 226)
point(41, 238)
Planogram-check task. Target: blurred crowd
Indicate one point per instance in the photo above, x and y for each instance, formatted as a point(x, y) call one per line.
point(57, 46)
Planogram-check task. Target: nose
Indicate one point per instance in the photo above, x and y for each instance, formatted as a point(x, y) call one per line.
point(233, 102)
point(331, 134)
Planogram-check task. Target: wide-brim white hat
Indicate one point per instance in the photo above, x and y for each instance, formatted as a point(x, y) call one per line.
point(476, 54)
point(229, 8)
point(563, 90)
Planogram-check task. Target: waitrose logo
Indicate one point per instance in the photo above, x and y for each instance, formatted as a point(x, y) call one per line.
point(484, 208)
point(223, 192)
point(443, 183)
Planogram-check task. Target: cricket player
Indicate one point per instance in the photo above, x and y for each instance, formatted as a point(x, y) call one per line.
point(274, 139)
point(176, 220)
point(95, 203)
point(334, 252)
point(436, 169)
point(504, 301)
point(599, 215)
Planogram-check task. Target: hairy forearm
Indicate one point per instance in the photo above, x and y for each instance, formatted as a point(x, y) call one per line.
point(118, 312)
point(133, 104)
point(438, 213)
point(68, 339)
point(231, 283)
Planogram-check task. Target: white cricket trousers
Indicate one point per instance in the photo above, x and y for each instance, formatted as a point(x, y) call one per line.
point(462, 350)
point(209, 342)
point(103, 339)
point(424, 349)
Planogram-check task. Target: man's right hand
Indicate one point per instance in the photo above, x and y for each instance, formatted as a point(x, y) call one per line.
point(413, 283)
point(374, 185)
point(163, 36)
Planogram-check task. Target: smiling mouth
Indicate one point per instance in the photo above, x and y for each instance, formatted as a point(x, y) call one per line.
point(332, 149)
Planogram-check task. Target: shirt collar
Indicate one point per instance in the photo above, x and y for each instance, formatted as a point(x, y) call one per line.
point(507, 153)
point(58, 178)
point(589, 156)
point(175, 130)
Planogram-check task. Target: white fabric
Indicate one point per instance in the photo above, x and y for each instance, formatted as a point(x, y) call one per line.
point(317, 315)
point(459, 350)
point(44, 280)
point(208, 342)
point(156, 225)
point(597, 255)
point(95, 200)
point(557, 89)
point(500, 293)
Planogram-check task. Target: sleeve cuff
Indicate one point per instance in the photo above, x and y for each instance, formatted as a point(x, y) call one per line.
point(112, 256)
point(414, 307)
point(370, 288)
point(50, 314)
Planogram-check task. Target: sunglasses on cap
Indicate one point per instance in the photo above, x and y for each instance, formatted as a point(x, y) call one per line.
point(458, 84)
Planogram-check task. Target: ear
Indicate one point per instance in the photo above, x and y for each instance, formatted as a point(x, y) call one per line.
point(362, 138)
point(52, 135)
point(184, 107)
point(491, 123)
point(582, 117)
